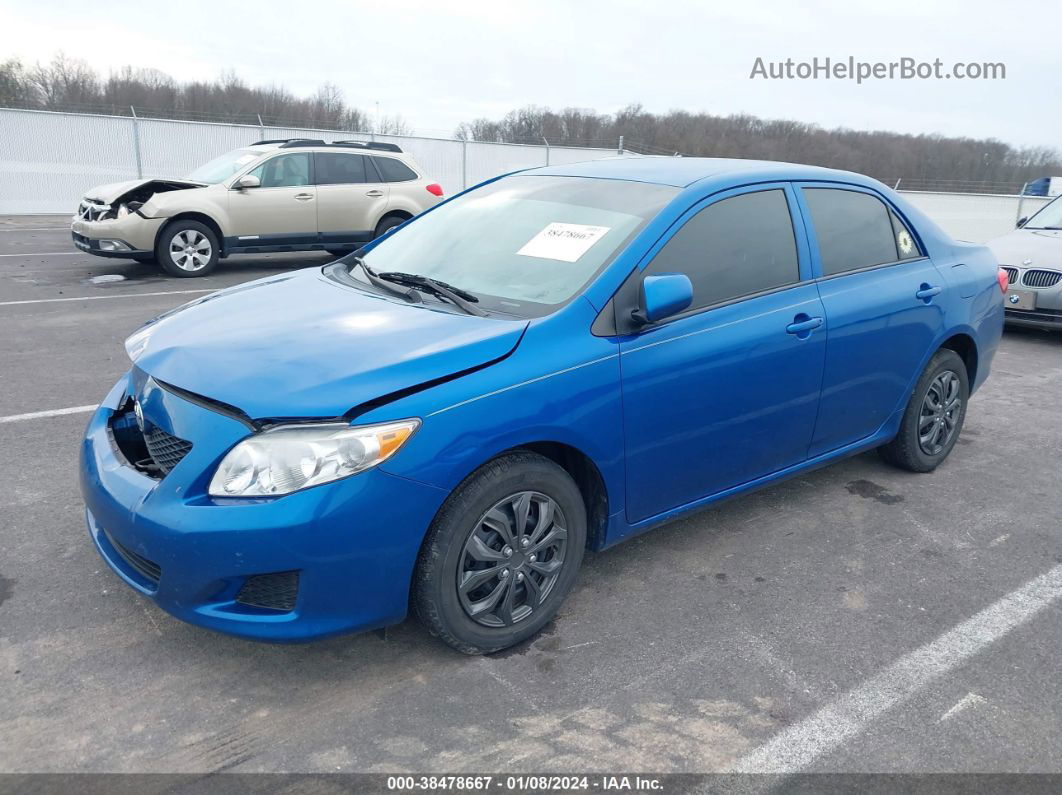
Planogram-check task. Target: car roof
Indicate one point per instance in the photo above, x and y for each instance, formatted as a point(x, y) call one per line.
point(681, 172)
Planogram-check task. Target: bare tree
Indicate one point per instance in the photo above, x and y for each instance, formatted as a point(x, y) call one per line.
point(888, 156)
point(69, 84)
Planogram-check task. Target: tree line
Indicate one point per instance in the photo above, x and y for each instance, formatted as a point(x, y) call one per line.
point(69, 84)
point(920, 160)
point(930, 160)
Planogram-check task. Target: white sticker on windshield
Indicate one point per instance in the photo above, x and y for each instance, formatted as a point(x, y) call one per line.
point(564, 242)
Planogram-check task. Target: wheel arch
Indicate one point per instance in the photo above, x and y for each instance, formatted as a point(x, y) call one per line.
point(964, 345)
point(581, 468)
point(202, 218)
point(405, 215)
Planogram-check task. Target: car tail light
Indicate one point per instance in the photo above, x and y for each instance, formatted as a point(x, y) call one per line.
point(435, 189)
point(1004, 280)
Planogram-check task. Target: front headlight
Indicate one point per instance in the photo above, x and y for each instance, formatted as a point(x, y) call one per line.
point(293, 457)
point(136, 343)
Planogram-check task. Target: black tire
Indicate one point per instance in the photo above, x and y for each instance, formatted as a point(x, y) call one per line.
point(387, 224)
point(195, 234)
point(465, 513)
point(909, 449)
point(339, 252)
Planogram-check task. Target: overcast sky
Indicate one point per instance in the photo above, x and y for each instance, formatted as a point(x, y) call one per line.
point(437, 63)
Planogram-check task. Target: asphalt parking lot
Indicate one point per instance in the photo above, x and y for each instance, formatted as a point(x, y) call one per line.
point(857, 618)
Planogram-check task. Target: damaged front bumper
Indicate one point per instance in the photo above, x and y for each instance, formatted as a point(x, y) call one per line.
point(343, 552)
point(129, 236)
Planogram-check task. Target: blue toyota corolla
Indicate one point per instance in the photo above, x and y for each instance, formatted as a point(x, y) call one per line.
point(557, 359)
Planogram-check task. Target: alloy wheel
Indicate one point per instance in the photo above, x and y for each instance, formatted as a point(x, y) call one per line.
point(939, 417)
point(512, 559)
point(190, 250)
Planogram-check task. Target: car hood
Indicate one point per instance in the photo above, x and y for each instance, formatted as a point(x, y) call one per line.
point(1042, 246)
point(305, 346)
point(112, 192)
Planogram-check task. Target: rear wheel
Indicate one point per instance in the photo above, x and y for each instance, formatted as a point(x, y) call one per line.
point(387, 224)
point(934, 416)
point(188, 248)
point(501, 555)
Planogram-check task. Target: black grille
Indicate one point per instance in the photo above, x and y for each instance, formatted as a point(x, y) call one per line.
point(1041, 278)
point(275, 591)
point(165, 449)
point(1012, 275)
point(148, 569)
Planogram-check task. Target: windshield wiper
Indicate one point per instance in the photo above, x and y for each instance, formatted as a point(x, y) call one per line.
point(460, 298)
point(374, 279)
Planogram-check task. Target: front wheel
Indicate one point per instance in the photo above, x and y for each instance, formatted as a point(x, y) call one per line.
point(934, 416)
point(501, 555)
point(188, 248)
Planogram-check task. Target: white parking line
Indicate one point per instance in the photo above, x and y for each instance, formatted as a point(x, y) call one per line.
point(798, 746)
point(47, 254)
point(101, 297)
point(36, 415)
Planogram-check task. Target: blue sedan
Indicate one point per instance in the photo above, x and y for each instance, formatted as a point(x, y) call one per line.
point(555, 360)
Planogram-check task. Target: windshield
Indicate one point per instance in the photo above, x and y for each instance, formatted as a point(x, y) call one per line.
point(223, 167)
point(523, 244)
point(1049, 217)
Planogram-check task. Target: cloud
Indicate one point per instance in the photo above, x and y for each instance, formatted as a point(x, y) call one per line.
point(438, 64)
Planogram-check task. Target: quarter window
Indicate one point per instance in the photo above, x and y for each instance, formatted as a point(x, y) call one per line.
point(284, 171)
point(906, 245)
point(393, 170)
point(854, 230)
point(335, 168)
point(735, 247)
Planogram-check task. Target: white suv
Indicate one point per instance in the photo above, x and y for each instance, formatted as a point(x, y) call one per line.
point(282, 195)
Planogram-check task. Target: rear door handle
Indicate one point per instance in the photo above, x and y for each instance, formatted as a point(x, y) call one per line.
point(803, 325)
point(302, 197)
point(927, 291)
point(375, 194)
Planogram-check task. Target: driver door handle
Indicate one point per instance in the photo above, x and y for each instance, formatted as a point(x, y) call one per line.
point(804, 326)
point(374, 194)
point(302, 197)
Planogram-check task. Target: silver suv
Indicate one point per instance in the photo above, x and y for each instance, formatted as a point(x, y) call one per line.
point(280, 195)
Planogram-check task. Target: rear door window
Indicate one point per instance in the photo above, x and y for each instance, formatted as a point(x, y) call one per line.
point(340, 168)
point(854, 230)
point(393, 170)
point(734, 247)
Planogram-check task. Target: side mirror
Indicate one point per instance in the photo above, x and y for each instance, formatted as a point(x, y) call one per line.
point(248, 181)
point(1022, 222)
point(663, 295)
